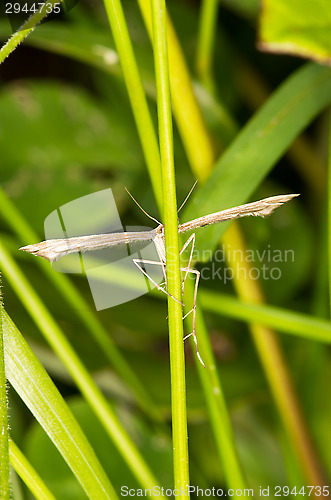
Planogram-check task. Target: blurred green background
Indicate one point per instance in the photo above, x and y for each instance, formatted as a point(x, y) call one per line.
point(66, 131)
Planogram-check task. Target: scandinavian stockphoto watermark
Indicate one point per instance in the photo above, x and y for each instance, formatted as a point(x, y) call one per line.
point(127, 263)
point(226, 264)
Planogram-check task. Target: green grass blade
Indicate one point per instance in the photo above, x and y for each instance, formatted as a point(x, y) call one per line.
point(206, 41)
point(37, 390)
point(28, 474)
point(4, 438)
point(282, 320)
point(26, 29)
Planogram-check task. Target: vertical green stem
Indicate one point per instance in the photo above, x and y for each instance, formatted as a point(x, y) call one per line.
point(4, 444)
point(177, 362)
point(274, 364)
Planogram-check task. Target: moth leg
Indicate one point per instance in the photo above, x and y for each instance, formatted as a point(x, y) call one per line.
point(155, 263)
point(191, 239)
point(193, 311)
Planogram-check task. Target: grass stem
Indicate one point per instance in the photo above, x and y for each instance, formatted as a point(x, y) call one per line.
point(177, 360)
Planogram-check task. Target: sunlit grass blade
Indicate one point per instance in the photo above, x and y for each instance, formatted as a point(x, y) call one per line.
point(177, 360)
point(28, 474)
point(329, 219)
point(4, 435)
point(39, 393)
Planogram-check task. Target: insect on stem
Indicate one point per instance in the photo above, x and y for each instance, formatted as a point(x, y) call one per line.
point(52, 250)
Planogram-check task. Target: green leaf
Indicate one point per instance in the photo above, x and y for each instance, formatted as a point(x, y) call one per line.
point(36, 389)
point(297, 27)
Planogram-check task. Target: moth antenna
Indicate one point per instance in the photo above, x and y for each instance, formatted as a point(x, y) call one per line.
point(155, 220)
point(187, 197)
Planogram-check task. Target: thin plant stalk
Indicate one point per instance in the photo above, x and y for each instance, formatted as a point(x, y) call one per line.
point(177, 361)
